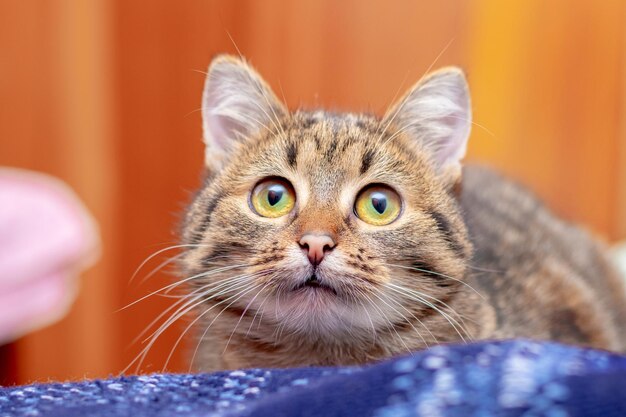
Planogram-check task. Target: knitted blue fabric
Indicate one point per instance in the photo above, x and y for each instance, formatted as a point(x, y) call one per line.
point(512, 378)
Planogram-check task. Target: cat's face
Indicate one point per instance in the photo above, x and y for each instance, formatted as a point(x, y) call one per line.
point(328, 224)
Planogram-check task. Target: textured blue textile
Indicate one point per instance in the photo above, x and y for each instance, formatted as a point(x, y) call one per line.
point(513, 378)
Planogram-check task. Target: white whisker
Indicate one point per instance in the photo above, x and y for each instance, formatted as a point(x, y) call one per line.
point(200, 292)
point(243, 314)
point(177, 283)
point(158, 253)
point(426, 271)
point(412, 295)
point(238, 295)
point(390, 325)
point(403, 317)
point(183, 310)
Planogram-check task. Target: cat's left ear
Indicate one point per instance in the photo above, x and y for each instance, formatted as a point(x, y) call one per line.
point(237, 103)
point(436, 112)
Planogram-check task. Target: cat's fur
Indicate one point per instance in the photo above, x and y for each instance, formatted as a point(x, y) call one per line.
point(472, 256)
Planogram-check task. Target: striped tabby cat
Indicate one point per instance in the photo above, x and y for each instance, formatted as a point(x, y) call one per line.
point(333, 239)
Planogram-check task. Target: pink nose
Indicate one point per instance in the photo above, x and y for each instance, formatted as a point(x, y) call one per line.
point(316, 246)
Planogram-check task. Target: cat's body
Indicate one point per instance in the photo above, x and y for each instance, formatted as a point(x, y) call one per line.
point(544, 278)
point(325, 239)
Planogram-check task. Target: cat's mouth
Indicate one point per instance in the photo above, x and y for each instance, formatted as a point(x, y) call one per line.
point(314, 284)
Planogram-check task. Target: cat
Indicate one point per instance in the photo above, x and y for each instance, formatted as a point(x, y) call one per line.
point(321, 238)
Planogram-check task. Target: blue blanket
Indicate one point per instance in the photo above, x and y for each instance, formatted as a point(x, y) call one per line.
point(513, 378)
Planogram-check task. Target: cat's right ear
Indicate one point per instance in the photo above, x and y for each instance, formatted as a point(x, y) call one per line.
point(236, 104)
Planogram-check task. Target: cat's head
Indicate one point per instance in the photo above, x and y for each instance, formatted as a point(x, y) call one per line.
point(327, 223)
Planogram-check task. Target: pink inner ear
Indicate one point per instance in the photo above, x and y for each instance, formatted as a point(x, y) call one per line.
point(236, 104)
point(229, 109)
point(453, 148)
point(222, 131)
point(219, 129)
point(443, 114)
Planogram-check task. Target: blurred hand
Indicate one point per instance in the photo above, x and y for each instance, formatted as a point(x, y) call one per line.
point(47, 238)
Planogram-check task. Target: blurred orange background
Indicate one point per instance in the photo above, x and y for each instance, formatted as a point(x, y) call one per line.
point(105, 95)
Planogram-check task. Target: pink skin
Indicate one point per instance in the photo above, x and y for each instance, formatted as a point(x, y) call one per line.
point(47, 238)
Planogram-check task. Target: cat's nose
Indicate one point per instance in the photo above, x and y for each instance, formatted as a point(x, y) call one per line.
point(316, 246)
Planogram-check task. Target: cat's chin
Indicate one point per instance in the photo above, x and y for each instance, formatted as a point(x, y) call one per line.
point(317, 309)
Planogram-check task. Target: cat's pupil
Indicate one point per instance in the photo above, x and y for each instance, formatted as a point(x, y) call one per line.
point(274, 195)
point(379, 202)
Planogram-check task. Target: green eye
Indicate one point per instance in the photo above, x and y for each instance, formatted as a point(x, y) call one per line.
point(273, 197)
point(378, 205)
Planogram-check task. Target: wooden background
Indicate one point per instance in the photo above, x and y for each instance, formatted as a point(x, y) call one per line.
point(104, 94)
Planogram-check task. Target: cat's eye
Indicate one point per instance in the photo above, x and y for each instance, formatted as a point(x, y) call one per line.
point(378, 205)
point(273, 197)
